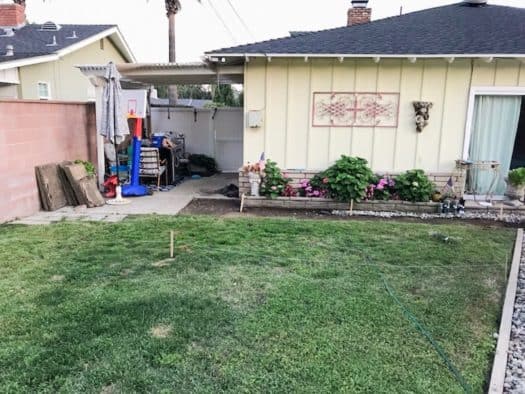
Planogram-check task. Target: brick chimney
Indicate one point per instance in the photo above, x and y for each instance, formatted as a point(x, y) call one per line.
point(359, 13)
point(12, 15)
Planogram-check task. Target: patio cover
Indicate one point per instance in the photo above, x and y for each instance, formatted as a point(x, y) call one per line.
point(147, 74)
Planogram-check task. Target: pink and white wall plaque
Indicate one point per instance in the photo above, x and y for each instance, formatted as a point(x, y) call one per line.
point(345, 109)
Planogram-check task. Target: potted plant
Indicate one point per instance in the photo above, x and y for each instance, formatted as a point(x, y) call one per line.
point(516, 184)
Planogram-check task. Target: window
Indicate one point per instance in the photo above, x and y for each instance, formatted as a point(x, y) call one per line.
point(44, 91)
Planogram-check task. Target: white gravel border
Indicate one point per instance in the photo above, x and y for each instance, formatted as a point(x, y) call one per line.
point(503, 369)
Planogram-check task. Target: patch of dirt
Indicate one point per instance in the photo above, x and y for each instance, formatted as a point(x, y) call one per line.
point(126, 272)
point(161, 331)
point(57, 278)
point(162, 263)
point(108, 389)
point(230, 209)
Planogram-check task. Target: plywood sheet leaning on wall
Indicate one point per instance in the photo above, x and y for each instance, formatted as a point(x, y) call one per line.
point(66, 185)
point(50, 188)
point(84, 185)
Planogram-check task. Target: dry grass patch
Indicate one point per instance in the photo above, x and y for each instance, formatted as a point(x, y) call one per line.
point(162, 263)
point(161, 331)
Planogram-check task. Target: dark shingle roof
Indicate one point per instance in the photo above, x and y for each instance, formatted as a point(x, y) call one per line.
point(454, 29)
point(30, 40)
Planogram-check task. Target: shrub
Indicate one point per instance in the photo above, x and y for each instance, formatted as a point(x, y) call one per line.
point(307, 189)
point(414, 186)
point(346, 180)
point(517, 177)
point(382, 188)
point(273, 183)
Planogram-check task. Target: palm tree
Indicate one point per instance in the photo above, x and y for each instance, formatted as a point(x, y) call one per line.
point(173, 7)
point(20, 2)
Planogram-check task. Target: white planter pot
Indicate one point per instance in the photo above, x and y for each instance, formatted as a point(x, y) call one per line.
point(255, 183)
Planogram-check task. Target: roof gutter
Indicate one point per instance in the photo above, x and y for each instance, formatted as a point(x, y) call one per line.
point(214, 57)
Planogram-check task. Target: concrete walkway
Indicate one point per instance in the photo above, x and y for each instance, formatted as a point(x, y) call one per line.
point(160, 203)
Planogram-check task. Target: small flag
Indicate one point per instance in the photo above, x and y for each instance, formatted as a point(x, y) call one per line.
point(262, 162)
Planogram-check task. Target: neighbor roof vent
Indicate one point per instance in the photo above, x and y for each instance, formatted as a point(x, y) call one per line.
point(50, 26)
point(53, 43)
point(7, 32)
point(9, 50)
point(73, 36)
point(476, 3)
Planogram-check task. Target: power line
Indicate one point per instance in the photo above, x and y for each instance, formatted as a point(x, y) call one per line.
point(223, 22)
point(241, 20)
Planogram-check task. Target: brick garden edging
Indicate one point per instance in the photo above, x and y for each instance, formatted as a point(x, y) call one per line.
point(329, 204)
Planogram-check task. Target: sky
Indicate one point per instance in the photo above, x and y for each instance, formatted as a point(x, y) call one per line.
point(213, 24)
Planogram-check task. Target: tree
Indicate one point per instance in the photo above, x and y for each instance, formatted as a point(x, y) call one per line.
point(173, 7)
point(20, 2)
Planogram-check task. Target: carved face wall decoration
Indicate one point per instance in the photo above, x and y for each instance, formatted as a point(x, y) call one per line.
point(422, 109)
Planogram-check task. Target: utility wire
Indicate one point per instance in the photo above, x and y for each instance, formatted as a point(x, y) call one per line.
point(241, 20)
point(222, 21)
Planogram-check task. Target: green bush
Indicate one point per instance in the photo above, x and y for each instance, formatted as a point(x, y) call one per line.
point(273, 183)
point(414, 186)
point(346, 180)
point(517, 177)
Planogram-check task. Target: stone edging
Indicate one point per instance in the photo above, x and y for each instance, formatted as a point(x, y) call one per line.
point(499, 368)
point(329, 204)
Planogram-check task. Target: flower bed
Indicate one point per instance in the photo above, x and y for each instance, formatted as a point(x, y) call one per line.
point(348, 184)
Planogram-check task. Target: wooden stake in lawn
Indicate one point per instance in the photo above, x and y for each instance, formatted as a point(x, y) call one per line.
point(172, 240)
point(242, 203)
point(351, 207)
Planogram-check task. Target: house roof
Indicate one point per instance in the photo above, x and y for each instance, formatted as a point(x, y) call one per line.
point(457, 29)
point(32, 44)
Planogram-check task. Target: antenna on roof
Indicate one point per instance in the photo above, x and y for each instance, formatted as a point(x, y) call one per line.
point(400, 10)
point(54, 43)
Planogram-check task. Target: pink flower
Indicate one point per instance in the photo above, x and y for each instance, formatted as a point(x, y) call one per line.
point(325, 180)
point(380, 186)
point(274, 188)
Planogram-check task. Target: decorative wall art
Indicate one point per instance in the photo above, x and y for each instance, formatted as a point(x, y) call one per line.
point(422, 109)
point(339, 109)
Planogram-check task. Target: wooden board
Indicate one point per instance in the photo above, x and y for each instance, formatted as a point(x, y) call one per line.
point(50, 187)
point(84, 186)
point(66, 185)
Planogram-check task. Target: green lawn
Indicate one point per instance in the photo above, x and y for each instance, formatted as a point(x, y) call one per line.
point(248, 305)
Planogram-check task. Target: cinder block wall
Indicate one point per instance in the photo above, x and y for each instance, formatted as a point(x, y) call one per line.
point(33, 133)
point(439, 179)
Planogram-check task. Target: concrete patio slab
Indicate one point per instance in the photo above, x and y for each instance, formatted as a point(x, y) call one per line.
point(160, 203)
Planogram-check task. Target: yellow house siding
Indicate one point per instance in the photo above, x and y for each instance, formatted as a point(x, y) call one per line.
point(384, 147)
point(298, 98)
point(454, 113)
point(66, 81)
point(407, 138)
point(255, 100)
point(276, 105)
point(284, 89)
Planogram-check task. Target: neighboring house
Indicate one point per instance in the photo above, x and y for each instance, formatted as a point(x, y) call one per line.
point(351, 90)
point(37, 61)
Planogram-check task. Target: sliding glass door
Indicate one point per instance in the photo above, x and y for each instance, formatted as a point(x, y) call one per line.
point(494, 130)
